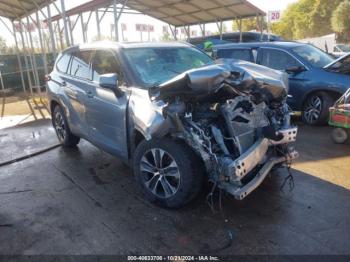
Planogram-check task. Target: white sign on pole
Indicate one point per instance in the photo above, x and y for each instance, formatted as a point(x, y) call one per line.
point(274, 16)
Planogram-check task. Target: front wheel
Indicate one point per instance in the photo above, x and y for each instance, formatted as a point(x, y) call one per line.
point(168, 171)
point(339, 135)
point(315, 108)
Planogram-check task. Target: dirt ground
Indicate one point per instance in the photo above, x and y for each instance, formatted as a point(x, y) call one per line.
point(84, 201)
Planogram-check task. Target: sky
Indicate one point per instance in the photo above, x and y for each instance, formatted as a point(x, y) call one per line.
point(131, 20)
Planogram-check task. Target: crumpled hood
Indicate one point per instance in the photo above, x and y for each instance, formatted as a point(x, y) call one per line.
point(204, 82)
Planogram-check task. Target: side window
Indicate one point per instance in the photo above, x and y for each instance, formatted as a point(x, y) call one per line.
point(80, 65)
point(241, 54)
point(105, 63)
point(62, 63)
point(277, 59)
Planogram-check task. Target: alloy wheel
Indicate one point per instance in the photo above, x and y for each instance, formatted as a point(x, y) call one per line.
point(312, 109)
point(60, 126)
point(160, 173)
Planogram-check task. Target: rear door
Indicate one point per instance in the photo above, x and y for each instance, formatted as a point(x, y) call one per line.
point(76, 82)
point(106, 114)
point(281, 60)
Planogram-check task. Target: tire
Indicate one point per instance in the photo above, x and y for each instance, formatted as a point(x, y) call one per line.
point(315, 109)
point(340, 135)
point(64, 135)
point(178, 167)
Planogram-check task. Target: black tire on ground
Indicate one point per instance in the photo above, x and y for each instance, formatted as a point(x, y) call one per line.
point(315, 109)
point(64, 135)
point(159, 163)
point(340, 135)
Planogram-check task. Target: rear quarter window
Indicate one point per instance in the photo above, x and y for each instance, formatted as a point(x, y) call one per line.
point(62, 63)
point(240, 54)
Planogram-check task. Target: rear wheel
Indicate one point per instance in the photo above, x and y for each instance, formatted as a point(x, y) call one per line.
point(168, 171)
point(315, 108)
point(64, 135)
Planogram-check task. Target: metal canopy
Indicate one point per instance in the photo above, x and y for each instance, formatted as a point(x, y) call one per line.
point(89, 6)
point(16, 9)
point(191, 12)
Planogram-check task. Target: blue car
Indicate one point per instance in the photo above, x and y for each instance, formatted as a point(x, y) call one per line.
point(316, 80)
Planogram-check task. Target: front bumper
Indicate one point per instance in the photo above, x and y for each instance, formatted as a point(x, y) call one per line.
point(256, 155)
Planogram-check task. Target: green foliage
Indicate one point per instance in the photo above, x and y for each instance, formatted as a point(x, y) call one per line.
point(341, 20)
point(166, 37)
point(306, 18)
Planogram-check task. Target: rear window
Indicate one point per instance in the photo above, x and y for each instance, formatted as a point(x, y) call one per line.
point(62, 63)
point(240, 54)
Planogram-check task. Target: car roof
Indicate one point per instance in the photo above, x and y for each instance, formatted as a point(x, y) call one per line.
point(279, 44)
point(120, 45)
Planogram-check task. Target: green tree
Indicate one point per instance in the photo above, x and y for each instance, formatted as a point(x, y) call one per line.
point(306, 18)
point(341, 21)
point(321, 16)
point(166, 37)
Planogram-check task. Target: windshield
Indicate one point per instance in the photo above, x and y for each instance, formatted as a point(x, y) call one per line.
point(344, 48)
point(155, 65)
point(313, 55)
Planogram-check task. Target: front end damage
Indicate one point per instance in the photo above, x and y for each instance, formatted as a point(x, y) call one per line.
point(234, 116)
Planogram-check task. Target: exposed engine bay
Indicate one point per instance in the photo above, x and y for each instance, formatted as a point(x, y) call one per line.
point(235, 117)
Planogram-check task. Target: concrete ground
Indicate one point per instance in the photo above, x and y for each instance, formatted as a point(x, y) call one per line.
point(84, 201)
point(20, 108)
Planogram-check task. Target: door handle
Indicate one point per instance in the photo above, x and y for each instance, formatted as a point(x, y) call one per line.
point(89, 94)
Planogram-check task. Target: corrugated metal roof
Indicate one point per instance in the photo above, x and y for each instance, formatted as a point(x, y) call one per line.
point(14, 9)
point(173, 12)
point(190, 12)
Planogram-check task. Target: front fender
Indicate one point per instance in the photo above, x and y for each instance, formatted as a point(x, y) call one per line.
point(145, 115)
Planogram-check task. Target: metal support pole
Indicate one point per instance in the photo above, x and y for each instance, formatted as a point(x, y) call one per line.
point(219, 25)
point(173, 32)
point(26, 59)
point(83, 28)
point(43, 51)
point(98, 25)
point(202, 27)
point(240, 30)
point(18, 57)
point(261, 27)
point(52, 36)
point(187, 31)
point(66, 33)
point(115, 14)
point(34, 65)
point(59, 31)
point(70, 30)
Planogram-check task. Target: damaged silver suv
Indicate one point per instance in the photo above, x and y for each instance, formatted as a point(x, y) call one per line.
point(175, 115)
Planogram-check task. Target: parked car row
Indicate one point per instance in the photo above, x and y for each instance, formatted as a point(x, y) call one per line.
point(316, 80)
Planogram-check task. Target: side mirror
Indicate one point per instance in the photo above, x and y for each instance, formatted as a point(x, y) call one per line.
point(295, 69)
point(110, 81)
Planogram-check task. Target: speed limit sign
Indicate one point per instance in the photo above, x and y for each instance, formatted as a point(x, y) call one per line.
point(274, 16)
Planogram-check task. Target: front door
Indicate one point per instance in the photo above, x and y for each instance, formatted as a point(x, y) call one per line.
point(281, 60)
point(106, 114)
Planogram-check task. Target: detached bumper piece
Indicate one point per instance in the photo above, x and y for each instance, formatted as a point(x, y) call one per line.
point(256, 155)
